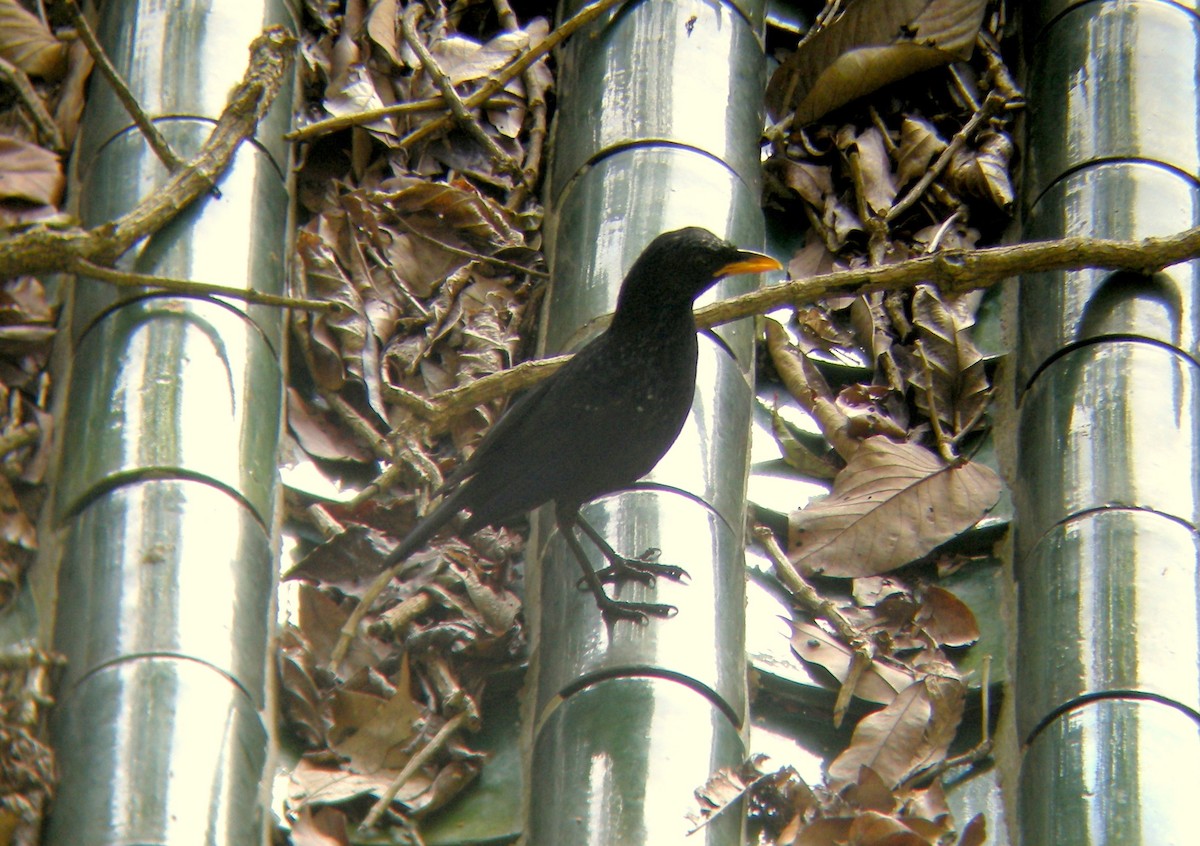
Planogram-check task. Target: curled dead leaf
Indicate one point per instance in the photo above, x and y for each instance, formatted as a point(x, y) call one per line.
point(27, 43)
point(949, 370)
point(30, 173)
point(873, 43)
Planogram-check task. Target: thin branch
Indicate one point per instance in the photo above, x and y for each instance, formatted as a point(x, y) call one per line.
point(495, 83)
point(46, 249)
point(47, 129)
point(188, 287)
point(334, 124)
point(481, 98)
point(448, 730)
point(153, 137)
point(440, 409)
point(959, 270)
point(466, 122)
point(944, 443)
point(992, 106)
point(955, 271)
point(805, 595)
point(21, 436)
point(535, 96)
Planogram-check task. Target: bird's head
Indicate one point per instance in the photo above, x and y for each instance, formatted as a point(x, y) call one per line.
point(679, 266)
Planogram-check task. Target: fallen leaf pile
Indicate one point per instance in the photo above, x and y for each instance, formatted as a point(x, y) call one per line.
point(43, 84)
point(428, 235)
point(891, 139)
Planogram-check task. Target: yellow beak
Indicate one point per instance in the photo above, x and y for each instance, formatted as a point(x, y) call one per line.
point(748, 262)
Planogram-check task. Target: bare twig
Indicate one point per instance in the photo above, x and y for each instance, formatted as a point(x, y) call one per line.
point(945, 444)
point(349, 629)
point(47, 129)
point(808, 598)
point(45, 249)
point(959, 270)
point(19, 437)
point(516, 66)
point(462, 116)
point(335, 124)
point(188, 287)
point(992, 106)
point(448, 730)
point(535, 96)
point(153, 137)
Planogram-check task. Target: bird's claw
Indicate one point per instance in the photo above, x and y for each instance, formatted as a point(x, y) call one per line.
point(642, 569)
point(639, 612)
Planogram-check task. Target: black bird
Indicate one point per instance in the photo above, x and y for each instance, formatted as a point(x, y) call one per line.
point(604, 419)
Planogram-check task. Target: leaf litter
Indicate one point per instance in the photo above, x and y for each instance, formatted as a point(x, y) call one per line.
point(433, 247)
point(891, 140)
point(432, 243)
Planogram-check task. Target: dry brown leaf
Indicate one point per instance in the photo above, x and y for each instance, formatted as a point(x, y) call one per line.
point(813, 259)
point(380, 728)
point(465, 59)
point(322, 826)
point(879, 683)
point(920, 143)
point(975, 832)
point(946, 353)
point(873, 166)
point(928, 804)
point(946, 618)
point(311, 783)
point(360, 91)
point(30, 173)
point(348, 561)
point(27, 43)
point(873, 43)
point(871, 590)
point(875, 829)
point(984, 172)
point(382, 28)
point(797, 455)
point(318, 435)
point(871, 793)
point(300, 700)
point(891, 741)
point(336, 338)
point(813, 182)
point(868, 410)
point(725, 787)
point(72, 92)
point(892, 504)
point(827, 831)
point(947, 696)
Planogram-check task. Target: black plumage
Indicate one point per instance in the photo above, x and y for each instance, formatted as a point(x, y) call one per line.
point(604, 419)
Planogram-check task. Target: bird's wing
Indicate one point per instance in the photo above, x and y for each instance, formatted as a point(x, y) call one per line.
point(511, 421)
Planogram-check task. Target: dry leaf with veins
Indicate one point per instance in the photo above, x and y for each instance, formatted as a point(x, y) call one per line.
point(892, 504)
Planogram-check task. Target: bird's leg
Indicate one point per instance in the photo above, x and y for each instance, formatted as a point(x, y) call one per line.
point(611, 609)
point(642, 569)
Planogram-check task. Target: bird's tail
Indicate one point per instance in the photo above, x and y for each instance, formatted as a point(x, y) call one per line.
point(426, 528)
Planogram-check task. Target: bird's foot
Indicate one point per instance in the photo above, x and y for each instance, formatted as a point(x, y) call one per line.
point(644, 569)
point(639, 612)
